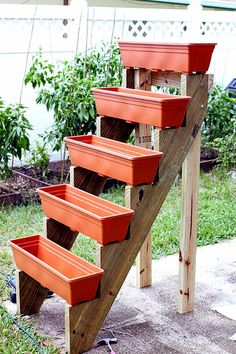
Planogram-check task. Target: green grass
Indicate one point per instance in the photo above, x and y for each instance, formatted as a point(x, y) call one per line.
point(14, 340)
point(217, 222)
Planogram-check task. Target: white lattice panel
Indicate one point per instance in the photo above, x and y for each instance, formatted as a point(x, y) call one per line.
point(218, 30)
point(155, 30)
point(56, 35)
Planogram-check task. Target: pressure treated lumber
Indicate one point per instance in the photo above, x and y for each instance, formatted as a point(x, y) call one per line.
point(144, 258)
point(30, 295)
point(188, 234)
point(59, 233)
point(84, 321)
point(143, 138)
point(166, 79)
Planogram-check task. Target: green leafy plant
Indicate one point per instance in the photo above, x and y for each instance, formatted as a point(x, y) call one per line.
point(220, 120)
point(226, 148)
point(39, 159)
point(14, 136)
point(219, 127)
point(65, 88)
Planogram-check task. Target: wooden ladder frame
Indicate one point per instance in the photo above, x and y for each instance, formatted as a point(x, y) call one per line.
point(83, 321)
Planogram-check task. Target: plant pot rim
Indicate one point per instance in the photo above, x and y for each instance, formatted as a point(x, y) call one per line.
point(123, 210)
point(140, 95)
point(37, 239)
point(149, 153)
point(168, 44)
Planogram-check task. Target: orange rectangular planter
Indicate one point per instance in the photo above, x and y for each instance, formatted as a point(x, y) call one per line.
point(57, 269)
point(131, 164)
point(139, 106)
point(181, 57)
point(95, 217)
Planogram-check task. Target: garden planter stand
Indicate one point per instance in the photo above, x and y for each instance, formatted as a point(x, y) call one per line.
point(157, 109)
point(124, 162)
point(83, 321)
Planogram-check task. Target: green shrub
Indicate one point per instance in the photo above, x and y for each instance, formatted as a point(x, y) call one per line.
point(39, 159)
point(219, 127)
point(65, 88)
point(14, 136)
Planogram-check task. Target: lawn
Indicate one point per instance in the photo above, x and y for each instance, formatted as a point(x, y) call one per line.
point(217, 222)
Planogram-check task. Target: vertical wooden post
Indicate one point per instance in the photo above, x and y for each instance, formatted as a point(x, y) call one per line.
point(189, 85)
point(143, 138)
point(144, 258)
point(188, 236)
point(30, 294)
point(190, 188)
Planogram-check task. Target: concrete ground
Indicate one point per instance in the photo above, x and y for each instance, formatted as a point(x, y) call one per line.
point(146, 321)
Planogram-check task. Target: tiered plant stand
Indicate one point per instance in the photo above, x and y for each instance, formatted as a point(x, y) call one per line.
point(180, 147)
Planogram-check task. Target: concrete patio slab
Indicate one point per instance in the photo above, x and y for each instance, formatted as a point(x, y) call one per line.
point(146, 321)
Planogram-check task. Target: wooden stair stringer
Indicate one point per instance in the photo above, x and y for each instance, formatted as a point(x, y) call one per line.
point(83, 321)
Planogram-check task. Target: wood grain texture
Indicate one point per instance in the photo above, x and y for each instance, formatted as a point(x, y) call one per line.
point(30, 295)
point(87, 319)
point(190, 188)
point(188, 234)
point(166, 79)
point(143, 138)
point(59, 233)
point(86, 180)
point(116, 129)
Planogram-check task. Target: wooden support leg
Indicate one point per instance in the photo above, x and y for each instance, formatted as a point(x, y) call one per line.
point(59, 233)
point(144, 263)
point(190, 187)
point(144, 259)
point(188, 237)
point(30, 295)
point(143, 138)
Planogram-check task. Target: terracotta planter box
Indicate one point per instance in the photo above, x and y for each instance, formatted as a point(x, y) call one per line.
point(139, 106)
point(181, 57)
point(131, 164)
point(57, 269)
point(97, 218)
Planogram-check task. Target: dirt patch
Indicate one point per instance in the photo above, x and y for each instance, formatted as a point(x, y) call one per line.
point(26, 180)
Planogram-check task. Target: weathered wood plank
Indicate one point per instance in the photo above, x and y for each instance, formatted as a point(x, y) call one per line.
point(30, 295)
point(188, 234)
point(117, 259)
point(59, 233)
point(143, 138)
point(166, 79)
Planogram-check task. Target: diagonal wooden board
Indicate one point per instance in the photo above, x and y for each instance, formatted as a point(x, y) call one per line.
point(83, 321)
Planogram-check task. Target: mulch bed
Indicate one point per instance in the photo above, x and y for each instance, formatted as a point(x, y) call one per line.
point(26, 180)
